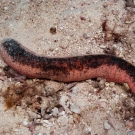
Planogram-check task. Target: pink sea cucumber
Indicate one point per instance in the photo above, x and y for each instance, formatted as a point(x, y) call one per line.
point(67, 69)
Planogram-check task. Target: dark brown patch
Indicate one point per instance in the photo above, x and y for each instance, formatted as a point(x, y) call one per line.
point(82, 18)
point(53, 30)
point(14, 94)
point(111, 51)
point(104, 26)
point(130, 3)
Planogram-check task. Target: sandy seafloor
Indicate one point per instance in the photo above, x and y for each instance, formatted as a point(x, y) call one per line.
point(91, 107)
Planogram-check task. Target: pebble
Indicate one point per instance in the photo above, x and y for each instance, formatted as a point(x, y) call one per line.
point(39, 134)
point(75, 108)
point(53, 87)
point(38, 116)
point(88, 129)
point(63, 120)
point(101, 84)
point(112, 84)
point(16, 130)
point(130, 103)
point(62, 113)
point(70, 85)
point(133, 60)
point(32, 115)
point(5, 8)
point(63, 99)
point(85, 36)
point(47, 116)
point(106, 125)
point(46, 133)
point(25, 123)
point(133, 123)
point(42, 112)
point(55, 112)
point(53, 30)
point(61, 109)
point(74, 89)
point(7, 134)
point(103, 46)
point(126, 86)
point(131, 133)
point(129, 124)
point(38, 120)
point(47, 122)
point(130, 3)
point(103, 104)
point(133, 45)
point(112, 122)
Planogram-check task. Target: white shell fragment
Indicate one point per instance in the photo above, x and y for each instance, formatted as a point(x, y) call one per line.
point(106, 125)
point(75, 108)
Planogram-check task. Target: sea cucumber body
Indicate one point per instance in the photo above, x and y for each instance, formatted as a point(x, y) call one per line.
point(67, 69)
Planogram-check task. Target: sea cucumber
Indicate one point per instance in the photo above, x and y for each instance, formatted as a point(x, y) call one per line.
point(67, 69)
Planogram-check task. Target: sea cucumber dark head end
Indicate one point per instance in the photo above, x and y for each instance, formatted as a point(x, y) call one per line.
point(6, 40)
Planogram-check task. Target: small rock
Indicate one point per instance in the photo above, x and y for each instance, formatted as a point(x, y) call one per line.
point(39, 134)
point(47, 116)
point(46, 133)
point(63, 120)
point(25, 123)
point(112, 84)
point(47, 123)
point(130, 3)
point(16, 130)
point(129, 124)
point(102, 83)
point(62, 113)
point(82, 18)
point(7, 134)
point(38, 116)
point(88, 132)
point(32, 115)
point(52, 87)
point(53, 30)
point(42, 112)
point(126, 86)
point(75, 108)
point(133, 60)
point(61, 109)
point(130, 103)
point(133, 123)
point(102, 46)
point(70, 85)
point(112, 122)
point(107, 125)
point(131, 133)
point(74, 89)
point(133, 45)
point(38, 120)
point(102, 104)
point(5, 8)
point(55, 112)
point(63, 99)
point(85, 36)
